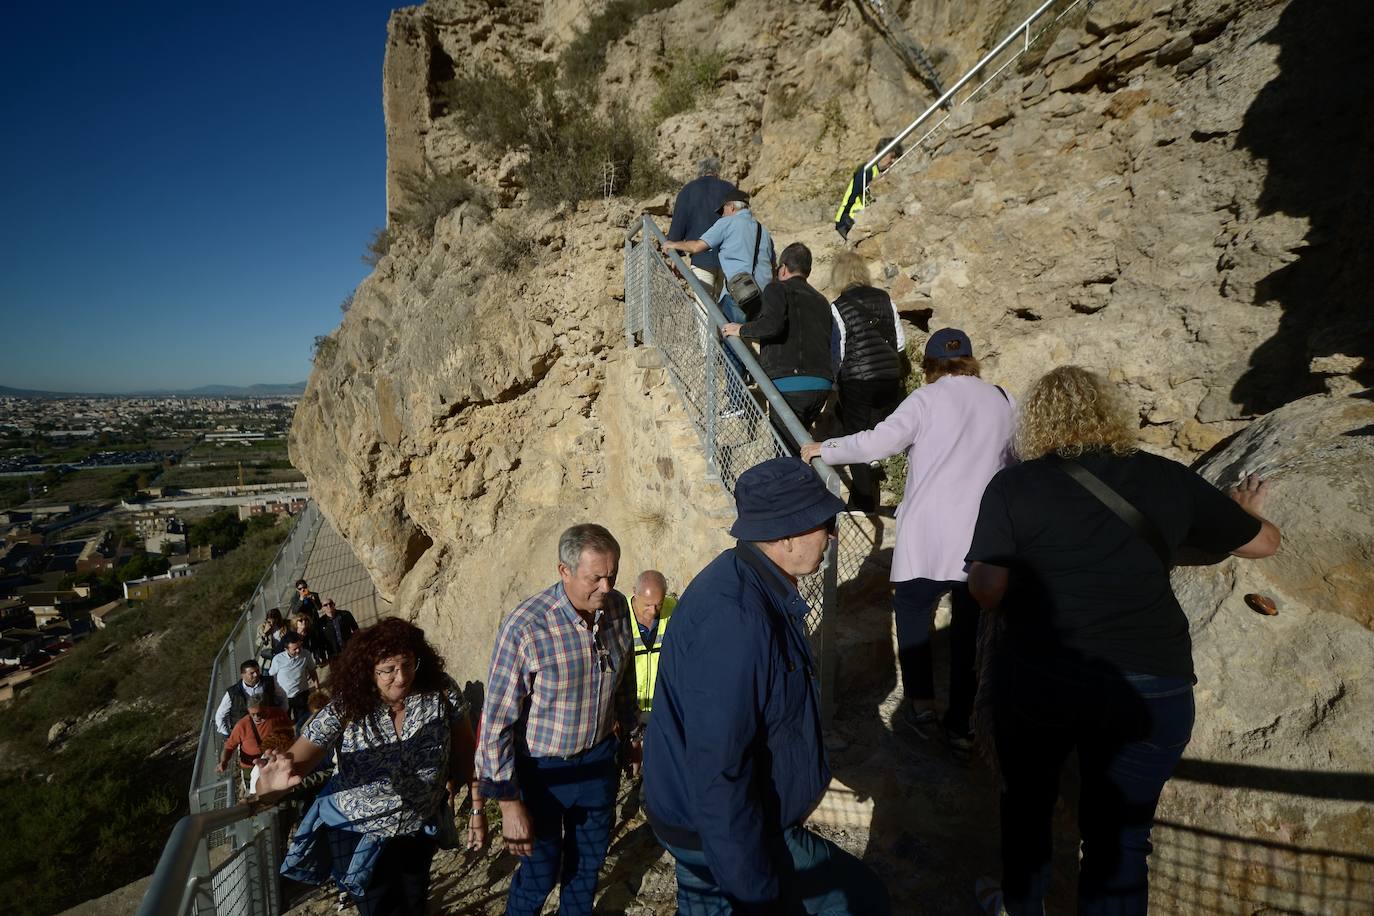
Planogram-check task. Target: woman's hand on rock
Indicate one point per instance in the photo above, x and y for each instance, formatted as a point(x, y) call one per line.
point(1250, 493)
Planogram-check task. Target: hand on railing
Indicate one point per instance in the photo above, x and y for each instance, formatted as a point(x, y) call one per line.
point(810, 451)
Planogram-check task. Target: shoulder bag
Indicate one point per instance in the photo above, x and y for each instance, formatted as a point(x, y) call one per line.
point(1121, 507)
point(743, 288)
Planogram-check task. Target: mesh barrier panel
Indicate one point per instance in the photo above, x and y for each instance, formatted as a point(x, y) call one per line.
point(731, 419)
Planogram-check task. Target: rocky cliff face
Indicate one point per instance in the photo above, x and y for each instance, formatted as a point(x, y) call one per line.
point(1174, 193)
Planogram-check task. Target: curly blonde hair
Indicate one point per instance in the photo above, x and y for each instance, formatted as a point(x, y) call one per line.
point(1071, 410)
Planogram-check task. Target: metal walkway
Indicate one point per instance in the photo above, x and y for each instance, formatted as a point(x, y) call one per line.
point(333, 571)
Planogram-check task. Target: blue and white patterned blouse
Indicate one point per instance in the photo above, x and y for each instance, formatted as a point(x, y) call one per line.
point(389, 786)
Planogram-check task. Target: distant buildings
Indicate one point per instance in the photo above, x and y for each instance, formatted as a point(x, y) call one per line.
point(292, 506)
point(146, 587)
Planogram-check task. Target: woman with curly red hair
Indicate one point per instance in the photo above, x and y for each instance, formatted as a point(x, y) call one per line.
point(403, 739)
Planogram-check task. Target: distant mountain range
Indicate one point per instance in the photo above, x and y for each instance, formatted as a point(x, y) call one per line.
point(294, 389)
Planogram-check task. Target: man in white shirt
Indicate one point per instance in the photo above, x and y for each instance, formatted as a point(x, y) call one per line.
point(294, 670)
point(253, 687)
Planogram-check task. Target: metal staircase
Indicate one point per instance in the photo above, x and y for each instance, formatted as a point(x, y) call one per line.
point(1037, 27)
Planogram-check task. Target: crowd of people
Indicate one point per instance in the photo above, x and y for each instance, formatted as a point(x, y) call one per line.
point(1051, 532)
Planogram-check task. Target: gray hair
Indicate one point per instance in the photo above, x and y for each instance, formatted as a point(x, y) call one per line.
point(709, 165)
point(651, 577)
point(580, 538)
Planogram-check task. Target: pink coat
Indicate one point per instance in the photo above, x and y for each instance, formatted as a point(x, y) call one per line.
point(956, 433)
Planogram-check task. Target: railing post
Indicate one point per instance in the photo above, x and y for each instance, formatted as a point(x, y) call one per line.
point(646, 251)
point(629, 272)
point(712, 418)
point(830, 606)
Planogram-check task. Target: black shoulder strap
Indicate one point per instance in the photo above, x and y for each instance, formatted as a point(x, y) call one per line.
point(1142, 526)
point(758, 235)
point(1006, 397)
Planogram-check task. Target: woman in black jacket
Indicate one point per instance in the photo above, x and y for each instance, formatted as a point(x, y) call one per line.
point(1073, 547)
point(871, 351)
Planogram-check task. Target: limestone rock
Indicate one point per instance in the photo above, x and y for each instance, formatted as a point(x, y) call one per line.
point(1285, 704)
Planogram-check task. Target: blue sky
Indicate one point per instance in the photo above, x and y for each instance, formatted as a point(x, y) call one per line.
point(185, 188)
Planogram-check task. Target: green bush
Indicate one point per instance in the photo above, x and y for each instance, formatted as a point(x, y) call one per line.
point(509, 247)
point(688, 77)
point(894, 468)
point(222, 530)
point(574, 152)
point(585, 57)
point(378, 246)
point(428, 197)
point(323, 349)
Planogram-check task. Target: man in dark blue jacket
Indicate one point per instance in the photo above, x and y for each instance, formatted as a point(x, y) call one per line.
point(733, 759)
point(696, 209)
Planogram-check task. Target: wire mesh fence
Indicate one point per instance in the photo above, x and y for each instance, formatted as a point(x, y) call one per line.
point(738, 425)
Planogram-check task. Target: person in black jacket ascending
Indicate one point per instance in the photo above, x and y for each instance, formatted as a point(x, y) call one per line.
point(794, 331)
point(870, 350)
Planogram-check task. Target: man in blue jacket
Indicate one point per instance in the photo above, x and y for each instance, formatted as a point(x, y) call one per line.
point(733, 759)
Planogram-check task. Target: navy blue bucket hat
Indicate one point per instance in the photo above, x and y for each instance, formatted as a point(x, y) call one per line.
point(779, 498)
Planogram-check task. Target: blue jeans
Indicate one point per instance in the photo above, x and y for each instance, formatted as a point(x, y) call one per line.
point(913, 603)
point(818, 877)
point(571, 803)
point(1130, 731)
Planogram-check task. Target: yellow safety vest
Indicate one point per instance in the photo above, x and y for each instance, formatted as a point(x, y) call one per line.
point(853, 200)
point(646, 659)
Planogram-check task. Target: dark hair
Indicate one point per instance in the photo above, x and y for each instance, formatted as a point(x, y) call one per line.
point(273, 612)
point(796, 258)
point(246, 665)
point(896, 150)
point(352, 680)
point(292, 637)
point(302, 582)
point(938, 367)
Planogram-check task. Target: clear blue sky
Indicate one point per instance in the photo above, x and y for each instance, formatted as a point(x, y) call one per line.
point(185, 188)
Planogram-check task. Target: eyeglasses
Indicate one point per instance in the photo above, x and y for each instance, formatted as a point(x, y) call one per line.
point(390, 671)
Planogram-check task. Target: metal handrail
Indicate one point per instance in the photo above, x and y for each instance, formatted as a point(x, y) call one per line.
point(827, 599)
point(308, 517)
point(736, 346)
point(173, 884)
point(1021, 30)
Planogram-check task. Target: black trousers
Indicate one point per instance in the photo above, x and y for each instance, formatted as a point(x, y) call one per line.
point(914, 602)
point(807, 405)
point(863, 405)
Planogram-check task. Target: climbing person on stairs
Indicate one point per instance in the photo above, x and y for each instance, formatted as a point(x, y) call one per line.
point(853, 200)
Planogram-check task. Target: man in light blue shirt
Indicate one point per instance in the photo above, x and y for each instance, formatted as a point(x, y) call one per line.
point(733, 238)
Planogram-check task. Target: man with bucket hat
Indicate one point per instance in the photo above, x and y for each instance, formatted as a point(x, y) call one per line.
point(734, 760)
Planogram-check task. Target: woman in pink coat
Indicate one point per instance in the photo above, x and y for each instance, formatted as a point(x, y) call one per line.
point(956, 431)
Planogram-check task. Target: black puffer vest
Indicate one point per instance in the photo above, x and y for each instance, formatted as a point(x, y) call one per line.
point(870, 336)
point(238, 698)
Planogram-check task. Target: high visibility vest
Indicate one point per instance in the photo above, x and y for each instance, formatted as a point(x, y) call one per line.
point(646, 659)
point(853, 200)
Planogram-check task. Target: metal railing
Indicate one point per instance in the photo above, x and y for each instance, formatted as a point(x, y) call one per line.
point(195, 875)
point(1006, 52)
point(733, 425)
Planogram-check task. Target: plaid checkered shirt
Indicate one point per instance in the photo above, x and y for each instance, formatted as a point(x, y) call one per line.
point(556, 687)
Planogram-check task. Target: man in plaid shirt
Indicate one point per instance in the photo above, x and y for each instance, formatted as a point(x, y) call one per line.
point(560, 704)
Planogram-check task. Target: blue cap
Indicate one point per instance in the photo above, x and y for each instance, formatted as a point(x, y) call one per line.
point(779, 498)
point(948, 343)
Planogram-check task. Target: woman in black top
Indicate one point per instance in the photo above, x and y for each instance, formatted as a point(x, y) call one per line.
point(1095, 657)
point(871, 345)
